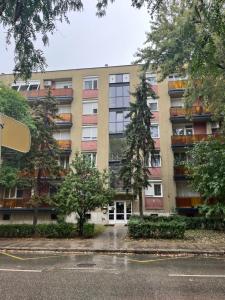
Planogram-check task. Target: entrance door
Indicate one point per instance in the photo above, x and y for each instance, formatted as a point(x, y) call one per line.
point(119, 212)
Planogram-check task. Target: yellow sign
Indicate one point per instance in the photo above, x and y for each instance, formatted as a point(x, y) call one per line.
point(14, 135)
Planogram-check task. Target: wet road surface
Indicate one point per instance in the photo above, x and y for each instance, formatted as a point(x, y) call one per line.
point(86, 276)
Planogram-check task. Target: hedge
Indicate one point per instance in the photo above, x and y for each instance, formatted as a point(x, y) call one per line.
point(59, 230)
point(165, 230)
point(191, 222)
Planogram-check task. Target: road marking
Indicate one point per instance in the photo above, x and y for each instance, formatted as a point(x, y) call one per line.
point(42, 257)
point(20, 270)
point(13, 256)
point(89, 269)
point(159, 259)
point(196, 275)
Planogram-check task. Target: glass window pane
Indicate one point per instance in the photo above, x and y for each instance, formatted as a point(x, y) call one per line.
point(112, 116)
point(126, 90)
point(153, 106)
point(95, 84)
point(157, 189)
point(94, 132)
point(119, 116)
point(119, 127)
point(112, 91)
point(154, 131)
point(126, 101)
point(87, 108)
point(119, 91)
point(112, 127)
point(119, 78)
point(88, 84)
point(86, 133)
point(112, 102)
point(119, 102)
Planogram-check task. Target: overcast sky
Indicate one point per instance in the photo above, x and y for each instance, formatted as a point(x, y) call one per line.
point(89, 41)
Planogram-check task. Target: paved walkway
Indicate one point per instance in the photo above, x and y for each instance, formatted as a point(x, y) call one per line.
point(115, 239)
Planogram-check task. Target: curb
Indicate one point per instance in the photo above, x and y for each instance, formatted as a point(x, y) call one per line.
point(116, 251)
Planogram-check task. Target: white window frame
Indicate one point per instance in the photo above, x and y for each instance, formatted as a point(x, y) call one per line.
point(91, 103)
point(156, 124)
point(150, 190)
point(64, 109)
point(60, 135)
point(92, 79)
point(10, 192)
point(90, 138)
point(150, 160)
point(150, 101)
point(93, 157)
point(150, 75)
point(175, 77)
point(19, 84)
point(184, 128)
point(63, 84)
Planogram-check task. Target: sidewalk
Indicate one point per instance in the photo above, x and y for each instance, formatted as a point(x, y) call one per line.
point(115, 240)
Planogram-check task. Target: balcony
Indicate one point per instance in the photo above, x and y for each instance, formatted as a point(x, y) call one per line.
point(88, 94)
point(62, 95)
point(65, 145)
point(188, 202)
point(197, 113)
point(176, 87)
point(14, 203)
point(180, 172)
point(185, 140)
point(64, 120)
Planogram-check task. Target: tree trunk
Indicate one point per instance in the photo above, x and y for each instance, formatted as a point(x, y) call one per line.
point(35, 216)
point(140, 202)
point(81, 222)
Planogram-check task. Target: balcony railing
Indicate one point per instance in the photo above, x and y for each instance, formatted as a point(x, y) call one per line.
point(177, 86)
point(13, 203)
point(64, 118)
point(90, 94)
point(180, 140)
point(58, 93)
point(182, 202)
point(180, 171)
point(64, 144)
point(182, 112)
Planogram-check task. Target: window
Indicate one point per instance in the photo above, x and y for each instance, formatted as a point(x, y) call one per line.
point(90, 84)
point(154, 190)
point(53, 216)
point(180, 158)
point(151, 78)
point(26, 85)
point(64, 109)
point(119, 96)
point(64, 162)
point(89, 133)
point(118, 121)
point(215, 126)
point(6, 217)
point(90, 108)
point(92, 157)
point(183, 130)
point(119, 78)
point(155, 131)
point(173, 77)
point(155, 159)
point(13, 193)
point(153, 104)
point(63, 84)
point(61, 135)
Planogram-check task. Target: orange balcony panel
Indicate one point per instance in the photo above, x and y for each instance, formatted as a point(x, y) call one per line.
point(188, 201)
point(54, 92)
point(89, 119)
point(157, 143)
point(177, 85)
point(89, 145)
point(191, 139)
point(155, 88)
point(194, 110)
point(13, 203)
point(65, 144)
point(90, 94)
point(155, 172)
point(67, 117)
point(153, 202)
point(179, 171)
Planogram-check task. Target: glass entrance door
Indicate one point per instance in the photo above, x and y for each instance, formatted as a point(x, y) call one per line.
point(119, 212)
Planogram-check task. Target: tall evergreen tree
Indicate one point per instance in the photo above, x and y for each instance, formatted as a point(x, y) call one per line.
point(139, 143)
point(41, 163)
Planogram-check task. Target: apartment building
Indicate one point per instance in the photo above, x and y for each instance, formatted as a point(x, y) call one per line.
point(92, 105)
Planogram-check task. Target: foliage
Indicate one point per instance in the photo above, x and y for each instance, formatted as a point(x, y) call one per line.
point(84, 189)
point(89, 230)
point(8, 176)
point(16, 230)
point(140, 228)
point(139, 143)
point(207, 168)
point(60, 230)
point(187, 37)
point(216, 211)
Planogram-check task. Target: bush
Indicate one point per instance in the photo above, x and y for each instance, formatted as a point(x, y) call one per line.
point(16, 230)
point(61, 230)
point(88, 230)
point(191, 222)
point(138, 228)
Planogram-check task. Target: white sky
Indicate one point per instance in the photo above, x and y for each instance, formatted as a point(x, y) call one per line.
point(89, 41)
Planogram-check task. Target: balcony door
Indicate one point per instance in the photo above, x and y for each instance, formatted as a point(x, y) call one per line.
point(119, 212)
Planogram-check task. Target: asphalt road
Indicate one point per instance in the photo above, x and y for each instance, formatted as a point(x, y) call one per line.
point(43, 276)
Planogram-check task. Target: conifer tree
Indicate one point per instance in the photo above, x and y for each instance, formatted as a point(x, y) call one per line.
point(139, 143)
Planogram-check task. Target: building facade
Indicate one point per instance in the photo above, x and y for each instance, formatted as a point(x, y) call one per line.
point(92, 107)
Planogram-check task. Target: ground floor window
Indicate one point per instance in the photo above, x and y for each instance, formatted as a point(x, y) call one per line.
point(120, 211)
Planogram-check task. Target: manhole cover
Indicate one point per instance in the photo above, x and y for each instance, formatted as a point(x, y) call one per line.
point(87, 265)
